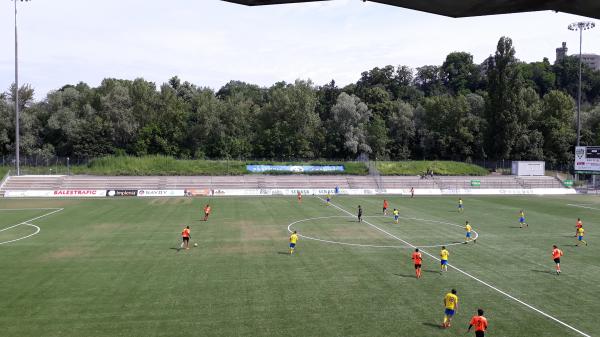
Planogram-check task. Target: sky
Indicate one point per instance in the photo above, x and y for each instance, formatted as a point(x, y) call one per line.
point(211, 42)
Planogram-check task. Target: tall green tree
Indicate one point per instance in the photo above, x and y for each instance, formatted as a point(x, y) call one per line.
point(504, 99)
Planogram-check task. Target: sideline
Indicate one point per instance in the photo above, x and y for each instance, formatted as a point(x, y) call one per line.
point(582, 206)
point(27, 222)
point(471, 276)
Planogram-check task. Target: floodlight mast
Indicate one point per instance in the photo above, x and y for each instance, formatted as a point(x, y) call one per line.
point(17, 116)
point(580, 26)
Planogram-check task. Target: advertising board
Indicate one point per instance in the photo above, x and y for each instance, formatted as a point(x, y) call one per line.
point(55, 194)
point(121, 193)
point(160, 193)
point(295, 168)
point(587, 159)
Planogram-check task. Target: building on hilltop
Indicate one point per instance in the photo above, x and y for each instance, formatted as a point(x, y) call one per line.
point(591, 60)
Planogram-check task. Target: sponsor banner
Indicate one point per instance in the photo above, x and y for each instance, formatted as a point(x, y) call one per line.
point(587, 158)
point(56, 193)
point(160, 193)
point(295, 168)
point(197, 192)
point(121, 193)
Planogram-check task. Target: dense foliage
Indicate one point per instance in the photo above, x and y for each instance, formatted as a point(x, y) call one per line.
point(501, 109)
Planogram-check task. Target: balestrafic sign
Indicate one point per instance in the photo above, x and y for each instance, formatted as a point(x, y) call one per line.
point(587, 158)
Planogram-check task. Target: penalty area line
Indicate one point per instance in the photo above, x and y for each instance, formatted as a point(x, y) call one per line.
point(471, 276)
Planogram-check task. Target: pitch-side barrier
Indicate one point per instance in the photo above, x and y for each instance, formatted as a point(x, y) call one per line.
point(79, 193)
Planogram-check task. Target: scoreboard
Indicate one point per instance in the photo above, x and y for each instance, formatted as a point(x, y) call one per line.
point(587, 159)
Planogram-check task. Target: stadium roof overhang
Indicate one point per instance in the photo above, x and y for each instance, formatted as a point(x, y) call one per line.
point(464, 8)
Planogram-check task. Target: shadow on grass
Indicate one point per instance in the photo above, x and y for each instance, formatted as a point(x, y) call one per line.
point(405, 275)
point(431, 271)
point(433, 325)
point(177, 249)
point(283, 253)
point(543, 271)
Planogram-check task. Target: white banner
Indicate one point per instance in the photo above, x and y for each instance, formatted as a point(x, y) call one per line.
point(161, 193)
point(56, 194)
point(587, 158)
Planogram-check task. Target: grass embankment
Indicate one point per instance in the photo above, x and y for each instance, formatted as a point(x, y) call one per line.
point(168, 166)
point(445, 168)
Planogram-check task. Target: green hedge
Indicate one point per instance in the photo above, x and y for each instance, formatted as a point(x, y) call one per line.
point(446, 168)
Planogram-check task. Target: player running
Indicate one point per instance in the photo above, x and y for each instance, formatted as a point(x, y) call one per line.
point(556, 254)
point(293, 241)
point(479, 322)
point(580, 233)
point(385, 206)
point(522, 219)
point(412, 192)
point(417, 259)
point(206, 212)
point(444, 254)
point(359, 215)
point(185, 238)
point(328, 199)
point(451, 304)
point(461, 206)
point(299, 197)
point(578, 225)
point(396, 215)
point(469, 229)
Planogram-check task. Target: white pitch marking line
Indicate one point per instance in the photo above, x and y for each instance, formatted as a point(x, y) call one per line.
point(27, 223)
point(24, 237)
point(28, 209)
point(289, 228)
point(473, 277)
point(581, 206)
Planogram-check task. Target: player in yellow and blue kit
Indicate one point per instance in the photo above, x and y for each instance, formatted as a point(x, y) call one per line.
point(451, 305)
point(328, 199)
point(444, 258)
point(293, 241)
point(396, 215)
point(522, 219)
point(469, 229)
point(580, 233)
point(461, 207)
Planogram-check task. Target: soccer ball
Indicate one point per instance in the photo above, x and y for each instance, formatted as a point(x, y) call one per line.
point(195, 245)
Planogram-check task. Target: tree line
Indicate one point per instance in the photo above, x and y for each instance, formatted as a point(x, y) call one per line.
point(501, 109)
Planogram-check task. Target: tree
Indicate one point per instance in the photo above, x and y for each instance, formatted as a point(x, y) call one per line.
point(556, 125)
point(504, 90)
point(460, 74)
point(402, 131)
point(350, 117)
point(288, 123)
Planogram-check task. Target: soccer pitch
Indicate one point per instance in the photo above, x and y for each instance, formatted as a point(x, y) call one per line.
point(111, 267)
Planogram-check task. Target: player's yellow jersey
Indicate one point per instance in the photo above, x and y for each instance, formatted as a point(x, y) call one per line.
point(293, 238)
point(396, 212)
point(451, 301)
point(468, 228)
point(444, 254)
point(460, 202)
point(580, 231)
point(522, 214)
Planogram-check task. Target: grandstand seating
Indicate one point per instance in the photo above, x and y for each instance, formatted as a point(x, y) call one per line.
point(272, 181)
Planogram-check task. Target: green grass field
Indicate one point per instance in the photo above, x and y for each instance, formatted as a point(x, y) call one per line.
point(110, 267)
